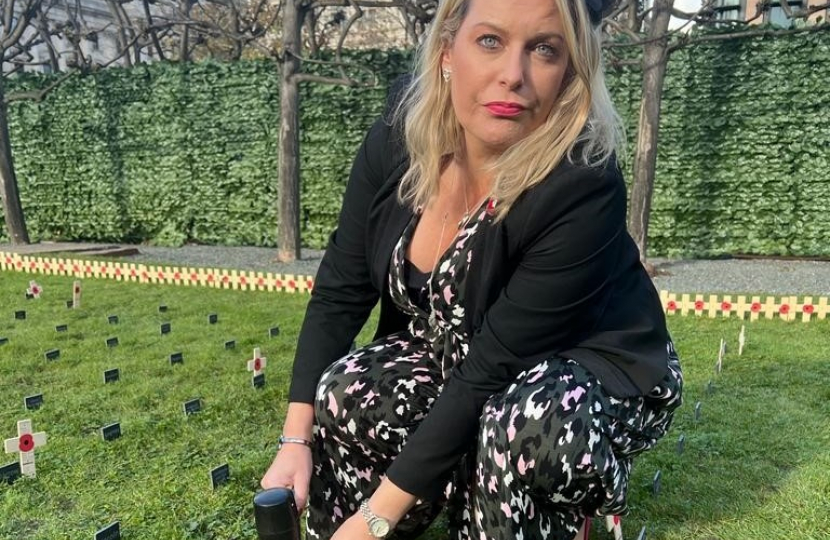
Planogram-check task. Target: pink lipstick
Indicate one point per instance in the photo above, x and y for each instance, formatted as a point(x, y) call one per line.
point(504, 108)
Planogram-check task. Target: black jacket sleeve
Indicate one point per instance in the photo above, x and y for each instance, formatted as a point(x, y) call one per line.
point(573, 229)
point(343, 295)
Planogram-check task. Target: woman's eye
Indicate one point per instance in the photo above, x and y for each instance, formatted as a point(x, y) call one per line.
point(488, 42)
point(546, 50)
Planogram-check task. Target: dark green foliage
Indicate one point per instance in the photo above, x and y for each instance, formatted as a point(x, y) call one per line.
point(176, 153)
point(743, 163)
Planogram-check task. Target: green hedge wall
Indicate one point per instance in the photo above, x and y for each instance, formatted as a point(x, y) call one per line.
point(744, 150)
point(173, 153)
point(161, 151)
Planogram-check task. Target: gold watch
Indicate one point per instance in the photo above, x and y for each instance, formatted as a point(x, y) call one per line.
point(378, 527)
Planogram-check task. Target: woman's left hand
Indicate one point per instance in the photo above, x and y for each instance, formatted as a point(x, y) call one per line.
point(354, 528)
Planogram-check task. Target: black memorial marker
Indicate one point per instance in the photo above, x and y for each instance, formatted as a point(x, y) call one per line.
point(230, 344)
point(33, 402)
point(4, 340)
point(20, 315)
point(710, 388)
point(274, 331)
point(53, 354)
point(213, 318)
point(642, 535)
point(111, 375)
point(61, 328)
point(9, 473)
point(655, 483)
point(29, 296)
point(111, 431)
point(165, 328)
point(162, 309)
point(112, 319)
point(176, 358)
point(70, 304)
point(112, 342)
point(220, 475)
point(681, 444)
point(192, 406)
point(698, 405)
point(110, 532)
point(258, 381)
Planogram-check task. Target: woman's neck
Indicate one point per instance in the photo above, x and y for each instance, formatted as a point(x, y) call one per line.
point(474, 173)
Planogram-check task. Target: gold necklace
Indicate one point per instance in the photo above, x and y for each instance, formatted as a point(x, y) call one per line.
point(432, 316)
point(461, 223)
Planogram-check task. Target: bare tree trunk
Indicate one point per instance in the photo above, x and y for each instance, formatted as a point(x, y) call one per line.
point(310, 21)
point(12, 209)
point(409, 26)
point(184, 51)
point(655, 60)
point(288, 238)
point(236, 55)
point(121, 38)
point(633, 19)
point(149, 16)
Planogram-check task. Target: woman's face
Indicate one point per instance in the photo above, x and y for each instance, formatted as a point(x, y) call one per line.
point(508, 60)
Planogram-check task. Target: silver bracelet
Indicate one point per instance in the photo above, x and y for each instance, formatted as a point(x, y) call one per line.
point(294, 440)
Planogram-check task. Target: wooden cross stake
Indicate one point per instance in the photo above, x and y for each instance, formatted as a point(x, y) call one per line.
point(25, 444)
point(741, 340)
point(76, 295)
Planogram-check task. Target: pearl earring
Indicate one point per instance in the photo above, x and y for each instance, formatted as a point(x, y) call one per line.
point(446, 74)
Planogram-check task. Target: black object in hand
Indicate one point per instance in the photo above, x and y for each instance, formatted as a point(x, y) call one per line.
point(276, 515)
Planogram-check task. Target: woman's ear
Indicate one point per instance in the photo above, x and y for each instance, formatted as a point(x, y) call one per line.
point(446, 59)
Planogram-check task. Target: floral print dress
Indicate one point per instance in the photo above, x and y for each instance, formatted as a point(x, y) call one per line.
point(552, 447)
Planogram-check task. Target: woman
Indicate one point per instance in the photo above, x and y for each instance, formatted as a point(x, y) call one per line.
point(521, 357)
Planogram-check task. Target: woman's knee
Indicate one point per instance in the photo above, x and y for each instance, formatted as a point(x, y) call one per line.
point(373, 398)
point(345, 389)
point(544, 429)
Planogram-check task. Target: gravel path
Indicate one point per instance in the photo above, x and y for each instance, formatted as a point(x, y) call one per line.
point(770, 276)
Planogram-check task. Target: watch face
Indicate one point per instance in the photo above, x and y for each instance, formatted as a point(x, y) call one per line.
point(379, 528)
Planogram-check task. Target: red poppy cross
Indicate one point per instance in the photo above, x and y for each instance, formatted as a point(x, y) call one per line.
point(34, 289)
point(25, 444)
point(257, 363)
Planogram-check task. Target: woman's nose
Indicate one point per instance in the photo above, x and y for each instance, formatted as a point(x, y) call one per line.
point(513, 69)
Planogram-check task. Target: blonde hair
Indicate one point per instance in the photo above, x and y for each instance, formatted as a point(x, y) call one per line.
point(582, 119)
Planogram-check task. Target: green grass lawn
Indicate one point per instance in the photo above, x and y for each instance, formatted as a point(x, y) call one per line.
point(754, 467)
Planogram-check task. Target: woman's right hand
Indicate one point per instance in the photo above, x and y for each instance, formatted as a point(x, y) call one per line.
point(291, 468)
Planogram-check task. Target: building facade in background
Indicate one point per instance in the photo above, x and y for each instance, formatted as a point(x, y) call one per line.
point(768, 11)
point(98, 27)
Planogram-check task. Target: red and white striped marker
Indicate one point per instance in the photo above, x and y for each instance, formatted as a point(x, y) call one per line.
point(614, 523)
point(25, 444)
point(257, 363)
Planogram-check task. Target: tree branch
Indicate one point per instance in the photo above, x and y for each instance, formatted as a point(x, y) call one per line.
point(341, 67)
point(361, 3)
point(25, 17)
point(344, 81)
point(38, 95)
point(823, 27)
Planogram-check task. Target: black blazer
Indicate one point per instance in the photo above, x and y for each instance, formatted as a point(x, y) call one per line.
point(558, 276)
